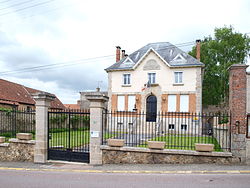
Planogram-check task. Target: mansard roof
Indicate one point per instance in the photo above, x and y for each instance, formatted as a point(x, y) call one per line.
point(169, 53)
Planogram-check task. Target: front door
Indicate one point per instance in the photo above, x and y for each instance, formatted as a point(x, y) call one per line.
point(151, 107)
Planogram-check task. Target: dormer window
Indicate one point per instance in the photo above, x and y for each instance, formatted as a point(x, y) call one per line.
point(126, 79)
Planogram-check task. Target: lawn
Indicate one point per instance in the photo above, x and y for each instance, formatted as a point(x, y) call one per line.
point(77, 138)
point(187, 142)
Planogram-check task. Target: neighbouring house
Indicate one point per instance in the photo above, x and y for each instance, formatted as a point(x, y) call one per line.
point(73, 106)
point(84, 102)
point(13, 95)
point(158, 77)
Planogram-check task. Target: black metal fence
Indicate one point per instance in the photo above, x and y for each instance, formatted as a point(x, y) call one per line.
point(69, 135)
point(178, 130)
point(14, 121)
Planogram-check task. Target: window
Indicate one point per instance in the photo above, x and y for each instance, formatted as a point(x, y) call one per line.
point(183, 127)
point(170, 126)
point(184, 103)
point(131, 102)
point(121, 103)
point(171, 103)
point(126, 79)
point(151, 78)
point(178, 77)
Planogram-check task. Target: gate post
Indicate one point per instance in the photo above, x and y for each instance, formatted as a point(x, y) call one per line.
point(97, 102)
point(43, 100)
point(237, 105)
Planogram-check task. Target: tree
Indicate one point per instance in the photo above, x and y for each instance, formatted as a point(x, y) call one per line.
point(218, 54)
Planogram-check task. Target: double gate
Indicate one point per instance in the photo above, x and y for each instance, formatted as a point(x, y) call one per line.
point(69, 133)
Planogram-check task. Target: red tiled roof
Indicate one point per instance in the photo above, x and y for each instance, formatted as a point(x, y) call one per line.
point(13, 92)
point(72, 106)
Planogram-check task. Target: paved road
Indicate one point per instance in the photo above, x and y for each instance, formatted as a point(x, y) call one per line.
point(67, 179)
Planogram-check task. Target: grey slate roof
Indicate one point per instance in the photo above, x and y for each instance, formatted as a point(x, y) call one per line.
point(170, 53)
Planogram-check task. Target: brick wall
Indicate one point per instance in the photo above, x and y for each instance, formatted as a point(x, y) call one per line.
point(237, 97)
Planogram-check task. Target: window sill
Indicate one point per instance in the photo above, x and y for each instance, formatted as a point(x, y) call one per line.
point(126, 85)
point(153, 85)
point(178, 84)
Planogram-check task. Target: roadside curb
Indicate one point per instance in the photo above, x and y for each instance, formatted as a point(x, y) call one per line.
point(131, 171)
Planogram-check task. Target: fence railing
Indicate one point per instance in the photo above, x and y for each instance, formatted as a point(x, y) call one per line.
point(178, 130)
point(16, 121)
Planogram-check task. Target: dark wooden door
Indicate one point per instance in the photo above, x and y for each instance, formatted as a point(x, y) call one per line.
point(151, 107)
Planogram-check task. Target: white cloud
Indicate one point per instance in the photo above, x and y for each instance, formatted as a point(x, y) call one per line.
point(82, 29)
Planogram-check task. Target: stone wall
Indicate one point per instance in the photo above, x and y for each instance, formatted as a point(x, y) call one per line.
point(17, 150)
point(129, 155)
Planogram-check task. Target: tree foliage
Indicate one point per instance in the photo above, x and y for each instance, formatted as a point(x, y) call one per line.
point(218, 53)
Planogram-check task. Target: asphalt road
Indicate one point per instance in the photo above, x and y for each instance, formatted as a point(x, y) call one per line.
point(67, 179)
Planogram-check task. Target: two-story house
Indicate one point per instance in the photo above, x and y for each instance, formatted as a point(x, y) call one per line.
point(158, 77)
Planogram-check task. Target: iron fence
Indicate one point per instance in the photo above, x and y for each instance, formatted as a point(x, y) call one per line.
point(69, 130)
point(178, 130)
point(14, 121)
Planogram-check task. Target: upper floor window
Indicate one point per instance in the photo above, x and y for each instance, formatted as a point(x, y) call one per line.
point(151, 78)
point(126, 79)
point(178, 77)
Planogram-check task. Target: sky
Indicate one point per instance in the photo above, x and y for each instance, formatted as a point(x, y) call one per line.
point(63, 46)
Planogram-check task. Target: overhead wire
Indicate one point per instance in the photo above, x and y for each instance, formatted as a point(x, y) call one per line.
point(28, 7)
point(15, 5)
point(5, 1)
point(76, 62)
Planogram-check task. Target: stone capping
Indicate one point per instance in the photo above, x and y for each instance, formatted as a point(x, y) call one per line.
point(15, 140)
point(2, 139)
point(156, 145)
point(24, 136)
point(168, 151)
point(4, 144)
point(116, 142)
point(237, 66)
point(204, 147)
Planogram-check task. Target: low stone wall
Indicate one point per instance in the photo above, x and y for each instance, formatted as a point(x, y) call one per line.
point(17, 150)
point(130, 155)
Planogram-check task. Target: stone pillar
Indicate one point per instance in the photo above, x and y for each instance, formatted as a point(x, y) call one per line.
point(41, 147)
point(97, 106)
point(237, 105)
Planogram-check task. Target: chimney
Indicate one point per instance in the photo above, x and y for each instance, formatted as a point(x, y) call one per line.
point(123, 53)
point(97, 89)
point(118, 53)
point(198, 50)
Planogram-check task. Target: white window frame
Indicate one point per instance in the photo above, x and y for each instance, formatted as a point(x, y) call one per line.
point(126, 79)
point(178, 77)
point(120, 103)
point(172, 103)
point(131, 102)
point(152, 77)
point(184, 103)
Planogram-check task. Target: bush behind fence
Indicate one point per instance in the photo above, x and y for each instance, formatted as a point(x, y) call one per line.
point(15, 121)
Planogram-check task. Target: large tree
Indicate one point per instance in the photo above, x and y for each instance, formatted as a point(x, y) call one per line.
point(218, 53)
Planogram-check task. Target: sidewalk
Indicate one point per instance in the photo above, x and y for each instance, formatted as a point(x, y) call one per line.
point(127, 168)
